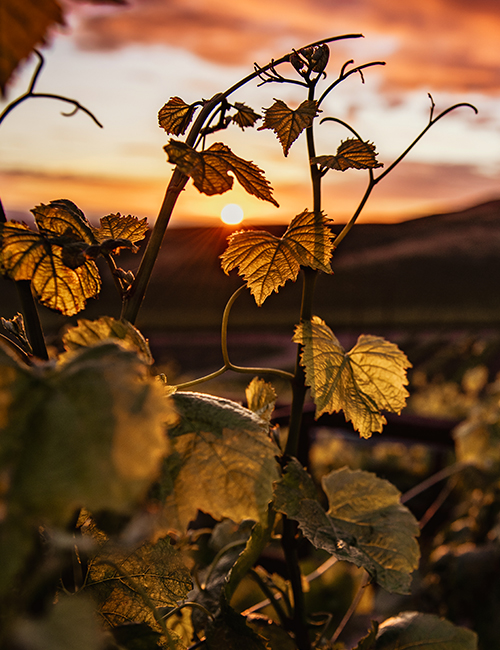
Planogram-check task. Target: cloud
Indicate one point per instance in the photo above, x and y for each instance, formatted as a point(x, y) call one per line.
point(439, 44)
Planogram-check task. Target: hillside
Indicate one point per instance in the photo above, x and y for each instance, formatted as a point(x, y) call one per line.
point(440, 270)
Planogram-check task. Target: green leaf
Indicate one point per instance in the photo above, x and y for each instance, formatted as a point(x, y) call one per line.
point(245, 116)
point(209, 170)
point(415, 631)
point(223, 463)
point(261, 398)
point(368, 379)
point(128, 585)
point(365, 523)
point(266, 262)
point(175, 116)
point(351, 154)
point(69, 625)
point(288, 124)
point(116, 226)
point(92, 436)
point(88, 333)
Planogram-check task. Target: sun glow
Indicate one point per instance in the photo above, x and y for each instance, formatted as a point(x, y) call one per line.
point(231, 214)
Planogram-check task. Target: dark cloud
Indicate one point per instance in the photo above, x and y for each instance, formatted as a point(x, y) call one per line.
point(441, 44)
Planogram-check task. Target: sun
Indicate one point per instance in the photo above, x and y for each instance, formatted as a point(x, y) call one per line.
point(231, 214)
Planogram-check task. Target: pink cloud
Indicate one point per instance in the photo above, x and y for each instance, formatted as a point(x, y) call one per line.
point(446, 44)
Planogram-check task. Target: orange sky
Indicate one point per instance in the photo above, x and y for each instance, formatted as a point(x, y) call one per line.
point(124, 64)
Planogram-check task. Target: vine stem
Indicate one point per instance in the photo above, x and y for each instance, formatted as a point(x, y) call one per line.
point(133, 300)
point(374, 180)
point(282, 374)
point(352, 608)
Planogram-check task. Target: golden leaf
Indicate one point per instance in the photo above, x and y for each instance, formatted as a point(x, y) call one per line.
point(27, 255)
point(288, 124)
point(88, 333)
point(266, 262)
point(175, 116)
point(261, 398)
point(24, 25)
point(209, 170)
point(64, 218)
point(351, 154)
point(245, 115)
point(362, 383)
point(116, 226)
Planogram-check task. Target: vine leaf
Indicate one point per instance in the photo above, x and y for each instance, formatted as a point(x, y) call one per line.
point(69, 623)
point(363, 382)
point(88, 333)
point(90, 434)
point(244, 116)
point(266, 262)
point(229, 630)
point(261, 398)
point(58, 260)
point(416, 631)
point(368, 641)
point(116, 227)
point(47, 263)
point(24, 26)
point(222, 462)
point(365, 523)
point(175, 116)
point(209, 170)
point(287, 123)
point(351, 154)
point(116, 577)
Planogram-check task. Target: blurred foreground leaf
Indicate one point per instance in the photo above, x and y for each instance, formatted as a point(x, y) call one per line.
point(365, 523)
point(222, 462)
point(415, 631)
point(24, 26)
point(90, 332)
point(368, 379)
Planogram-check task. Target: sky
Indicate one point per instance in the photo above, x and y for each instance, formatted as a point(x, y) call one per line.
point(124, 63)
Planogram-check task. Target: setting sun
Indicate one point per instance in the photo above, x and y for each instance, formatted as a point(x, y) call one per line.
point(231, 214)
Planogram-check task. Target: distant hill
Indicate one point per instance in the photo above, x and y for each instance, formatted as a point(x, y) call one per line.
point(437, 271)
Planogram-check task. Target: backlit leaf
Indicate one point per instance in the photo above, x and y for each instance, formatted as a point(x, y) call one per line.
point(261, 398)
point(92, 436)
point(368, 379)
point(245, 116)
point(116, 226)
point(88, 333)
point(416, 631)
point(209, 170)
point(365, 523)
point(287, 123)
point(27, 255)
point(222, 462)
point(114, 575)
point(351, 154)
point(69, 624)
point(266, 262)
point(175, 116)
point(64, 218)
point(24, 25)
